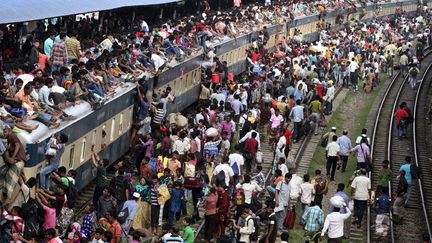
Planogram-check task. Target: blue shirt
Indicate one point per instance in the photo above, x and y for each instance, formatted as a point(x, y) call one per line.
point(346, 200)
point(383, 203)
point(297, 113)
point(407, 169)
point(298, 95)
point(345, 145)
point(290, 91)
point(48, 46)
point(132, 207)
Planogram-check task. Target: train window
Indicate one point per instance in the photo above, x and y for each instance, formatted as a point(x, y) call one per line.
point(71, 155)
point(112, 129)
point(83, 150)
point(129, 117)
point(121, 124)
point(94, 137)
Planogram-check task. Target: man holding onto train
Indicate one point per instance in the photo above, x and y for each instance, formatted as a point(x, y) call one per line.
point(55, 148)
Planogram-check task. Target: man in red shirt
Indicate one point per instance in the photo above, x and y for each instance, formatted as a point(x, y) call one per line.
point(223, 205)
point(251, 147)
point(401, 121)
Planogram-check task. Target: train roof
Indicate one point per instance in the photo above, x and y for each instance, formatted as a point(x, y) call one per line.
point(78, 111)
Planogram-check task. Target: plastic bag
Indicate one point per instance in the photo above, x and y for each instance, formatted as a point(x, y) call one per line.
point(164, 194)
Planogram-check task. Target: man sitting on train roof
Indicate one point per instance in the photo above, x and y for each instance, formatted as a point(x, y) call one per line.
point(13, 121)
point(34, 109)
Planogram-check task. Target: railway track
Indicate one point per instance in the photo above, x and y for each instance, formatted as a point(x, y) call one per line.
point(386, 145)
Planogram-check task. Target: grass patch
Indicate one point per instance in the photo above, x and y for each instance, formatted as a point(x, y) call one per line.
point(340, 120)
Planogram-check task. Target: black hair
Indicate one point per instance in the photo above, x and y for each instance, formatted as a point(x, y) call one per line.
point(285, 236)
point(63, 138)
point(340, 187)
point(108, 235)
point(62, 170)
point(50, 232)
point(247, 178)
point(73, 173)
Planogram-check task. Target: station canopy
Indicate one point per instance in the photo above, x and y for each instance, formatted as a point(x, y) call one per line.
point(15, 11)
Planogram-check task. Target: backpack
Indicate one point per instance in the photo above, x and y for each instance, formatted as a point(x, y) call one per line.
point(117, 188)
point(239, 197)
point(415, 172)
point(71, 192)
point(123, 215)
point(235, 169)
point(413, 71)
point(324, 141)
point(254, 236)
point(192, 183)
point(220, 178)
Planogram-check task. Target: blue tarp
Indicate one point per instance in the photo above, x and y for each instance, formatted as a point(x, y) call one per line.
point(14, 11)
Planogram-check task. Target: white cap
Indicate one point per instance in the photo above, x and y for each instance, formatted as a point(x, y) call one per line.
point(333, 128)
point(136, 195)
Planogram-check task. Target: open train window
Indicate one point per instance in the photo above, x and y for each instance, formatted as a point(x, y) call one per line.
point(94, 137)
point(83, 150)
point(112, 129)
point(71, 155)
point(121, 124)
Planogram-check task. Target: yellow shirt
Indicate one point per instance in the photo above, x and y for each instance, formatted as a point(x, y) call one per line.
point(315, 106)
point(282, 106)
point(73, 48)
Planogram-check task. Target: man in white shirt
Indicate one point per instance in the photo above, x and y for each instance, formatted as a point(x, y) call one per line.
point(282, 166)
point(226, 168)
point(236, 160)
point(158, 62)
point(248, 227)
point(249, 135)
point(363, 135)
point(248, 188)
point(307, 190)
point(332, 152)
point(360, 191)
point(334, 224)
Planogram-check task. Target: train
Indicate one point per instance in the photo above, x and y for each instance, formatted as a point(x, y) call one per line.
point(107, 129)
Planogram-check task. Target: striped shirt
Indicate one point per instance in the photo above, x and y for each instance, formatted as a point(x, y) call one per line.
point(158, 116)
point(59, 54)
point(154, 195)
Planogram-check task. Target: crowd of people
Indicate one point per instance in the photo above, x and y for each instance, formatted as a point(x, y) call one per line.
point(211, 159)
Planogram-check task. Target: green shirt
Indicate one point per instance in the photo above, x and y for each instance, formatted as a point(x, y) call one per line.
point(188, 235)
point(64, 181)
point(315, 106)
point(101, 174)
point(385, 176)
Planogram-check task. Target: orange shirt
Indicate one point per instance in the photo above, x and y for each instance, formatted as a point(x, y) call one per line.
point(116, 231)
point(42, 61)
point(277, 180)
point(25, 99)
